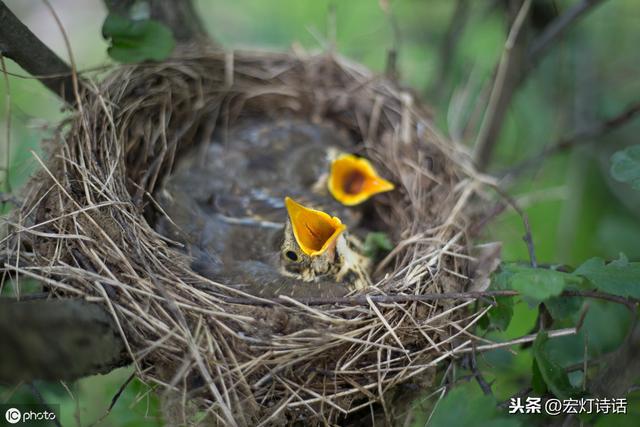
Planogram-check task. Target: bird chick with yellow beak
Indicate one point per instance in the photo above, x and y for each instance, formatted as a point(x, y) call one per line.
point(317, 245)
point(352, 180)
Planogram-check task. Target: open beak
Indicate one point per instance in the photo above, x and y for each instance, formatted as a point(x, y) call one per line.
point(352, 180)
point(315, 231)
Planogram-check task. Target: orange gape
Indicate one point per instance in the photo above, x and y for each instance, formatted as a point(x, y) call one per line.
point(315, 231)
point(352, 180)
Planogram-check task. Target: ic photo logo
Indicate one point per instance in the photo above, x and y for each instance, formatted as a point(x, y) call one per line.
point(13, 415)
point(32, 415)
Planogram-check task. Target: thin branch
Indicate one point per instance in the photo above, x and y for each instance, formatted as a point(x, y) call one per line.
point(482, 382)
point(508, 78)
point(7, 165)
point(622, 367)
point(390, 299)
point(114, 399)
point(528, 237)
point(36, 393)
point(578, 138)
point(518, 341)
point(557, 28)
point(67, 43)
point(513, 69)
point(391, 68)
point(18, 43)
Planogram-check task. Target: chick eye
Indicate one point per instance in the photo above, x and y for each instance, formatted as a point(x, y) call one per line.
point(291, 255)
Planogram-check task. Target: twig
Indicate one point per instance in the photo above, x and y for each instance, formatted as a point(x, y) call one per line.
point(391, 68)
point(525, 339)
point(630, 303)
point(557, 28)
point(522, 393)
point(36, 393)
point(74, 75)
point(512, 73)
point(473, 365)
point(115, 399)
point(7, 166)
point(577, 138)
point(390, 299)
point(622, 367)
point(528, 237)
point(18, 43)
point(508, 77)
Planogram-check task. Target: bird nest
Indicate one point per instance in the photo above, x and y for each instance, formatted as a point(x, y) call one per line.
point(86, 229)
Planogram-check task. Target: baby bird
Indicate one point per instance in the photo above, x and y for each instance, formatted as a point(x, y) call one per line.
point(317, 245)
point(231, 203)
point(353, 180)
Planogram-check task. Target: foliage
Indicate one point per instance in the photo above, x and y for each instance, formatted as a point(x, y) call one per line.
point(137, 40)
point(548, 374)
point(479, 410)
point(377, 243)
point(619, 277)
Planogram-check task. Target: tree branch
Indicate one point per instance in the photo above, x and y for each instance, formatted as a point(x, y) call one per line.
point(509, 75)
point(557, 28)
point(390, 299)
point(18, 43)
point(57, 340)
point(578, 138)
point(622, 368)
point(515, 65)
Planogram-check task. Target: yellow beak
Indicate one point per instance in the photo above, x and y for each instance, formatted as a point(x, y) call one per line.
point(315, 231)
point(352, 180)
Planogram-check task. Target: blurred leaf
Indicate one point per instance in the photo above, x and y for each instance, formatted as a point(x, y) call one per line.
point(136, 41)
point(539, 284)
point(500, 315)
point(537, 381)
point(376, 243)
point(625, 166)
point(554, 376)
point(479, 410)
point(619, 277)
point(563, 307)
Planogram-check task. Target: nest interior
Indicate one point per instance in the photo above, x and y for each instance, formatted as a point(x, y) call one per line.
point(86, 230)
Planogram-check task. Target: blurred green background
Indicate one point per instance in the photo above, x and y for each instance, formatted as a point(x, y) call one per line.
point(576, 210)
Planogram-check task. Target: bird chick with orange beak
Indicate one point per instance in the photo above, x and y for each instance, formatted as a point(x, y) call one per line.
point(273, 208)
point(317, 244)
point(353, 180)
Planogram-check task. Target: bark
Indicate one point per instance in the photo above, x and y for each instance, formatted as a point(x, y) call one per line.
point(18, 43)
point(57, 340)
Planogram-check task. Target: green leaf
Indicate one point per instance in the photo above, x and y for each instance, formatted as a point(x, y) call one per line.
point(563, 307)
point(500, 315)
point(376, 243)
point(479, 410)
point(625, 166)
point(539, 284)
point(537, 381)
point(136, 41)
point(554, 376)
point(619, 277)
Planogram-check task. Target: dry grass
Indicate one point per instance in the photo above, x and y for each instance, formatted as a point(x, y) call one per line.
point(86, 230)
